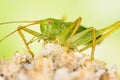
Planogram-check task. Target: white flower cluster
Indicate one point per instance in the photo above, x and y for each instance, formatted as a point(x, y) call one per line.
point(55, 64)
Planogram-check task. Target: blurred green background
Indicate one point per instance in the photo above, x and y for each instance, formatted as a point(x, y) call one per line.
point(96, 13)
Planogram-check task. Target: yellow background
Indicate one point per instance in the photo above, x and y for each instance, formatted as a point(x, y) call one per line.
point(96, 13)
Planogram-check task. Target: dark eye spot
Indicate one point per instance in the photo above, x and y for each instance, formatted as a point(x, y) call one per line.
point(49, 22)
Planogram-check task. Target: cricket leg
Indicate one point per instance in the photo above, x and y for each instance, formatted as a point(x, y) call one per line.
point(62, 38)
point(21, 34)
point(85, 33)
point(25, 42)
point(111, 30)
point(34, 33)
point(93, 42)
point(105, 33)
point(76, 26)
point(31, 40)
point(20, 28)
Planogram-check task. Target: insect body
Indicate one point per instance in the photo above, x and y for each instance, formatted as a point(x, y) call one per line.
point(69, 34)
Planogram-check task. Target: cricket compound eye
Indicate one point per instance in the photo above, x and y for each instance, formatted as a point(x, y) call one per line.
point(49, 22)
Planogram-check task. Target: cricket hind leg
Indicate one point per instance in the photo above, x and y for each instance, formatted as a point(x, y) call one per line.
point(93, 42)
point(107, 31)
point(76, 24)
point(82, 37)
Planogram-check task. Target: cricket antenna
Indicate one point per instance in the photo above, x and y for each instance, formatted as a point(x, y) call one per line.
point(36, 21)
point(16, 31)
point(8, 35)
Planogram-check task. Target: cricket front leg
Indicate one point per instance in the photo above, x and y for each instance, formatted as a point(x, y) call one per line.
point(24, 40)
point(34, 33)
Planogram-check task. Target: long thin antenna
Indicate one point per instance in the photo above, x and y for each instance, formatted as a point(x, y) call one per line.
point(19, 22)
point(16, 31)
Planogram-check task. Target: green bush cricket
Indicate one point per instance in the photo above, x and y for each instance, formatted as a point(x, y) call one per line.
point(69, 34)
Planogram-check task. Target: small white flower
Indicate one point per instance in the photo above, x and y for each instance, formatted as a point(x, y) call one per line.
point(52, 49)
point(62, 74)
point(21, 57)
point(2, 78)
point(78, 54)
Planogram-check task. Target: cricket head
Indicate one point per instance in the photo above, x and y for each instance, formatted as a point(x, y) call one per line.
point(51, 28)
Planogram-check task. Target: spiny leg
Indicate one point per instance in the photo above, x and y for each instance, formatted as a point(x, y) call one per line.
point(77, 25)
point(107, 31)
point(24, 40)
point(34, 33)
point(23, 37)
point(115, 27)
point(31, 23)
point(93, 42)
point(32, 40)
point(62, 37)
point(84, 36)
